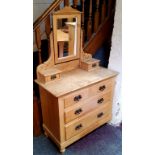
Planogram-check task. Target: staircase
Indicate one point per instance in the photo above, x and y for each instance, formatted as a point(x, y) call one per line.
point(97, 24)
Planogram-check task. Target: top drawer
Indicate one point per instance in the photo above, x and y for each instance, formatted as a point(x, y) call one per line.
point(101, 87)
point(81, 95)
point(76, 97)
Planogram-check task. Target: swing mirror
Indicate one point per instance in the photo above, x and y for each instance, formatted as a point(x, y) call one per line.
point(66, 36)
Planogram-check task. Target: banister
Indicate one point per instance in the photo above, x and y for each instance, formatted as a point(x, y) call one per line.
point(53, 6)
point(97, 39)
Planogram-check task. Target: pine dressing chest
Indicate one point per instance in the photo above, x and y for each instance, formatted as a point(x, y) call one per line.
point(75, 92)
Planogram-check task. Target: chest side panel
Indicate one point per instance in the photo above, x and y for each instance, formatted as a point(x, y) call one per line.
point(50, 113)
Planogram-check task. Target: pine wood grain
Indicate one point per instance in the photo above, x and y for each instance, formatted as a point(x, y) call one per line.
point(87, 106)
point(86, 121)
point(80, 79)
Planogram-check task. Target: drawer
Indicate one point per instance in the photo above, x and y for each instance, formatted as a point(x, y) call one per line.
point(82, 108)
point(75, 97)
point(75, 127)
point(90, 64)
point(103, 86)
point(81, 95)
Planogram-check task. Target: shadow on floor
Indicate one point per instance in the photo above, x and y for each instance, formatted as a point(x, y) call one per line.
point(106, 140)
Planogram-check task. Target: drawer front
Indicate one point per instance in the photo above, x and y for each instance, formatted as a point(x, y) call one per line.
point(89, 66)
point(75, 127)
point(81, 95)
point(102, 87)
point(76, 97)
point(52, 77)
point(76, 111)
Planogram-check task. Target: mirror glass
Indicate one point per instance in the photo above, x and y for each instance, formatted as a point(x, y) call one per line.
point(66, 37)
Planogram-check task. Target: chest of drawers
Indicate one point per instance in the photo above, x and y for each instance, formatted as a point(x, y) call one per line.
point(76, 104)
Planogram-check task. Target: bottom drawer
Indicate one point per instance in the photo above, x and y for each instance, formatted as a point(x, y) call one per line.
point(84, 122)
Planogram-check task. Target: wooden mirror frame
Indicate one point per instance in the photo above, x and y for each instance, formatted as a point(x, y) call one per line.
point(66, 13)
point(52, 69)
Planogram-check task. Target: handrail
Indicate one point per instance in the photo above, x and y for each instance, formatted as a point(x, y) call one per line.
point(53, 6)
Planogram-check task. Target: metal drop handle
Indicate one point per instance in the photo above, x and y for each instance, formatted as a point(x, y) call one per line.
point(101, 88)
point(53, 77)
point(78, 127)
point(78, 111)
point(100, 115)
point(94, 65)
point(77, 98)
point(100, 101)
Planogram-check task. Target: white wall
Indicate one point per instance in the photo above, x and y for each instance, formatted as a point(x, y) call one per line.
point(115, 63)
point(39, 6)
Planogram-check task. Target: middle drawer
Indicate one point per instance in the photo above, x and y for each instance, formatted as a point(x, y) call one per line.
point(82, 108)
point(75, 127)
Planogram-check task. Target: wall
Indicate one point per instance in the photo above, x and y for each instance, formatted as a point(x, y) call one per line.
point(115, 62)
point(39, 6)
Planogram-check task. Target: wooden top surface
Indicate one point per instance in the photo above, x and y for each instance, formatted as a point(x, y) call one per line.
point(76, 79)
